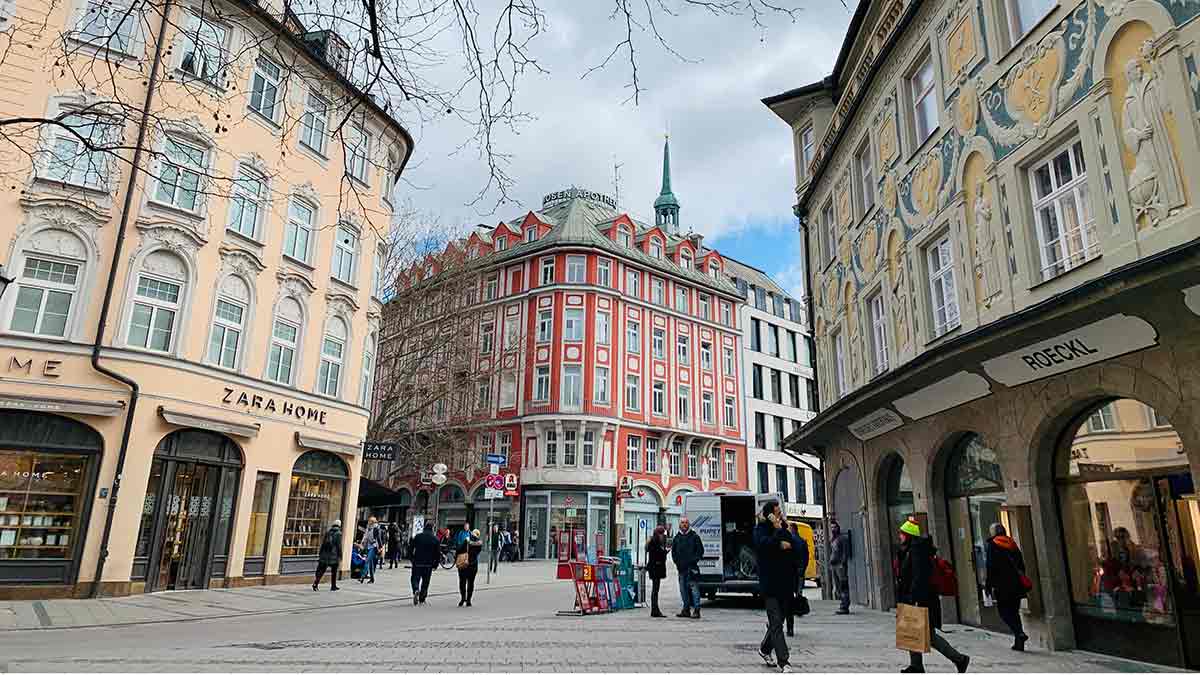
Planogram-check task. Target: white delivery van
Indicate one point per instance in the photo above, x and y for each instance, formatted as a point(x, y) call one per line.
point(725, 522)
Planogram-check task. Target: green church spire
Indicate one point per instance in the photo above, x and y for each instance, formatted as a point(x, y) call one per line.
point(666, 207)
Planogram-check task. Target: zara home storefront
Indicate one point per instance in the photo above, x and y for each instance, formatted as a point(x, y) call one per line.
point(225, 481)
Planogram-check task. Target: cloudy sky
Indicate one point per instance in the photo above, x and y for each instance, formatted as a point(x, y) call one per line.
point(731, 157)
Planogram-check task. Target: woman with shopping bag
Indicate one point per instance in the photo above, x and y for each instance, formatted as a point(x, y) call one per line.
point(915, 591)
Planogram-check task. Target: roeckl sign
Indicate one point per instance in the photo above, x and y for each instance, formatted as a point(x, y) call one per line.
point(1118, 334)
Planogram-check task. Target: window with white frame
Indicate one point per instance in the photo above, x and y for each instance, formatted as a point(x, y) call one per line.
point(839, 363)
point(604, 272)
point(202, 47)
point(281, 357)
point(681, 349)
point(658, 399)
point(651, 455)
point(864, 172)
point(486, 443)
point(491, 287)
point(675, 465)
point(693, 461)
point(632, 393)
point(576, 269)
point(659, 343)
point(706, 355)
point(879, 341)
point(501, 243)
point(624, 236)
point(603, 328)
point(807, 150)
point(1103, 419)
point(573, 325)
point(685, 259)
point(633, 337)
point(829, 232)
point(333, 348)
point(357, 146)
point(264, 87)
point(924, 100)
point(541, 384)
point(508, 390)
point(226, 338)
point(704, 307)
point(71, 160)
point(504, 447)
point(681, 299)
point(601, 388)
point(632, 278)
point(545, 325)
point(314, 127)
point(589, 448)
point(487, 337)
point(1023, 15)
point(551, 448)
point(726, 314)
point(345, 248)
point(531, 233)
point(633, 454)
point(1066, 227)
point(45, 295)
point(730, 466)
point(728, 360)
point(683, 405)
point(366, 380)
point(714, 465)
point(483, 401)
point(298, 231)
point(155, 309)
point(730, 412)
point(512, 331)
point(707, 408)
point(942, 290)
point(656, 248)
point(547, 271)
point(658, 291)
point(180, 175)
point(247, 202)
point(108, 24)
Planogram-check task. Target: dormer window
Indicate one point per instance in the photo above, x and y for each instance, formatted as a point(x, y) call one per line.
point(501, 243)
point(685, 259)
point(531, 234)
point(624, 236)
point(714, 270)
point(656, 249)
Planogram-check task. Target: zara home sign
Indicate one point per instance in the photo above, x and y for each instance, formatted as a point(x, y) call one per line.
point(1118, 334)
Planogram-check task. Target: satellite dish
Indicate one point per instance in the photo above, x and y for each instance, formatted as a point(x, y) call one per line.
point(440, 468)
point(438, 478)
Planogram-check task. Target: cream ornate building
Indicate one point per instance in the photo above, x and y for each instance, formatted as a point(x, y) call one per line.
point(187, 349)
point(999, 204)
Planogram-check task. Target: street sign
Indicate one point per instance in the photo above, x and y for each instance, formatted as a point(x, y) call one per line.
point(510, 481)
point(496, 459)
point(494, 469)
point(494, 481)
point(438, 478)
point(490, 493)
point(382, 451)
point(426, 479)
point(440, 468)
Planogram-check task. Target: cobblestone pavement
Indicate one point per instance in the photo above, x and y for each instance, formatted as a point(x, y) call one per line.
point(511, 628)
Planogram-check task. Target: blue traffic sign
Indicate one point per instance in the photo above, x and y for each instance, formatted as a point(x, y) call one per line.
point(496, 459)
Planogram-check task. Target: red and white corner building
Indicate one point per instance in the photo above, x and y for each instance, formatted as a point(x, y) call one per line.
point(624, 393)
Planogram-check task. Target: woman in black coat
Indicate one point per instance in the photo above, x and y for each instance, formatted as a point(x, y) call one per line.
point(471, 546)
point(393, 544)
point(329, 557)
point(656, 566)
point(1005, 569)
point(916, 588)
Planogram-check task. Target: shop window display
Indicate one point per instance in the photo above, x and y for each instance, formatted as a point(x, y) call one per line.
point(40, 503)
point(317, 494)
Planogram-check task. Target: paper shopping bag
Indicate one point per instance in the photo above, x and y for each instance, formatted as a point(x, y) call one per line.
point(912, 628)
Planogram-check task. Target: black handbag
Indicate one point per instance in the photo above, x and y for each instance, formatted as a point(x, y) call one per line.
point(801, 606)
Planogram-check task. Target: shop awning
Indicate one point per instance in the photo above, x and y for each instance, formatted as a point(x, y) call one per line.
point(313, 443)
point(62, 405)
point(372, 494)
point(185, 419)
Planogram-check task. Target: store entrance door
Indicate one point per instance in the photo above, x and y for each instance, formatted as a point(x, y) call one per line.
point(1181, 525)
point(183, 549)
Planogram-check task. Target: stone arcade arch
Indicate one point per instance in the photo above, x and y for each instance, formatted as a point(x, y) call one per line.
point(850, 511)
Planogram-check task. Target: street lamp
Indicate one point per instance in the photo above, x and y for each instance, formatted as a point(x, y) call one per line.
point(4, 281)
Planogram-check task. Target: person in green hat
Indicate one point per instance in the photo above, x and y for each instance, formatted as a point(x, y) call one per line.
point(915, 588)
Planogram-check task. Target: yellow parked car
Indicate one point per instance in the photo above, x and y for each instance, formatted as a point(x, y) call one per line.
point(806, 533)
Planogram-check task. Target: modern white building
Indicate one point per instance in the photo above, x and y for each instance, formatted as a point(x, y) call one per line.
point(780, 390)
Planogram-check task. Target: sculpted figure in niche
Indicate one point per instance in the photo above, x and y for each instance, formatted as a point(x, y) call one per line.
point(1155, 185)
point(987, 267)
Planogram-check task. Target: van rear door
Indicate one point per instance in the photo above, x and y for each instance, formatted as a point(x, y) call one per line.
point(703, 509)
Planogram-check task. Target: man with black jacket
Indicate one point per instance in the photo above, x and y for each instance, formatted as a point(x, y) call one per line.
point(426, 553)
point(776, 581)
point(1005, 573)
point(915, 587)
point(686, 551)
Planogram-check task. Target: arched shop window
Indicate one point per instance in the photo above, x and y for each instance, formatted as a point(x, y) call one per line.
point(317, 498)
point(47, 474)
point(975, 499)
point(1131, 531)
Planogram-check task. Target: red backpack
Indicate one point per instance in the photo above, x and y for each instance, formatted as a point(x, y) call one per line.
point(942, 578)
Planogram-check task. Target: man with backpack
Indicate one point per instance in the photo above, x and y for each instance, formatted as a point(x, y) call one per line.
point(923, 578)
point(1006, 581)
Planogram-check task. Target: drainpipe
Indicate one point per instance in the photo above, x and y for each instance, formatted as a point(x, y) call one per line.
point(134, 390)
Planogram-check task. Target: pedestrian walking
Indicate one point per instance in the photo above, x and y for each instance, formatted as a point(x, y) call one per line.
point(394, 537)
point(656, 566)
point(427, 550)
point(463, 534)
point(508, 551)
point(839, 564)
point(798, 604)
point(686, 551)
point(329, 556)
point(776, 582)
point(496, 547)
point(372, 544)
point(467, 560)
point(519, 553)
point(916, 588)
point(1006, 581)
